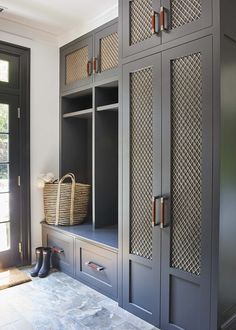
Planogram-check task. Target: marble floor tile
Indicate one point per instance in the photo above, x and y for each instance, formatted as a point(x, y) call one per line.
point(59, 302)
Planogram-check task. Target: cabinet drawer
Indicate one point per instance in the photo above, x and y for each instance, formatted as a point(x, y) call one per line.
point(63, 254)
point(97, 267)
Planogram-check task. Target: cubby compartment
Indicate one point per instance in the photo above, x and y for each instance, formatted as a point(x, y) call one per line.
point(107, 97)
point(79, 104)
point(106, 156)
point(76, 151)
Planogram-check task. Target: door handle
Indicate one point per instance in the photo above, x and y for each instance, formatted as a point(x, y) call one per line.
point(89, 68)
point(154, 208)
point(95, 65)
point(57, 250)
point(164, 19)
point(155, 22)
point(94, 266)
point(162, 200)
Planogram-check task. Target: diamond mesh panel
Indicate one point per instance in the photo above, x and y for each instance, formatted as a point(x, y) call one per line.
point(141, 162)
point(184, 12)
point(140, 20)
point(109, 52)
point(76, 65)
point(186, 163)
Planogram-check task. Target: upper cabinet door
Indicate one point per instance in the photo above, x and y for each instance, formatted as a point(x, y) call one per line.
point(148, 23)
point(140, 25)
point(106, 52)
point(76, 64)
point(183, 17)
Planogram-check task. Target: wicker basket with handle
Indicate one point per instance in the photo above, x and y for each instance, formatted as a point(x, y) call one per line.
point(66, 204)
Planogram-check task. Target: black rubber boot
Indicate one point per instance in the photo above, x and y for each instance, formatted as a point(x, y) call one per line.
point(39, 261)
point(46, 262)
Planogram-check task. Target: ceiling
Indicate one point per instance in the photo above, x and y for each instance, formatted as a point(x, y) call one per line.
point(54, 16)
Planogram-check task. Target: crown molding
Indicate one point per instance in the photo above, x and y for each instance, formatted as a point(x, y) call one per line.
point(26, 32)
point(88, 25)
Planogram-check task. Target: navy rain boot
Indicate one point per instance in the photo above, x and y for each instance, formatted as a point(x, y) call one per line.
point(46, 262)
point(39, 261)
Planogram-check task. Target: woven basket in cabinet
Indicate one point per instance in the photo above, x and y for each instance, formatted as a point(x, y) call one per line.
point(66, 204)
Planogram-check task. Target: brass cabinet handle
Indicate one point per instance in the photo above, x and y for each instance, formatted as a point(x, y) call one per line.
point(164, 19)
point(161, 200)
point(155, 22)
point(89, 68)
point(162, 213)
point(154, 199)
point(95, 65)
point(57, 250)
point(94, 266)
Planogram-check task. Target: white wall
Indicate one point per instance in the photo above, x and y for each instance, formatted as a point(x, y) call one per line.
point(45, 99)
point(44, 110)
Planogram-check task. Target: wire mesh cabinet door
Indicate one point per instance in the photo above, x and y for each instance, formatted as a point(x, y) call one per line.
point(141, 185)
point(183, 17)
point(187, 186)
point(106, 60)
point(76, 64)
point(140, 25)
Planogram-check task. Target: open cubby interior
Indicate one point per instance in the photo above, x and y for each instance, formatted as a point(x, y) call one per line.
point(77, 102)
point(76, 151)
point(106, 169)
point(89, 149)
point(107, 94)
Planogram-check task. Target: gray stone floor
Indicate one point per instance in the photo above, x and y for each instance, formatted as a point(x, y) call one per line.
point(59, 302)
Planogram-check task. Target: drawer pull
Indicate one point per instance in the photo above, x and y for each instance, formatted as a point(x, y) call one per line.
point(57, 250)
point(94, 266)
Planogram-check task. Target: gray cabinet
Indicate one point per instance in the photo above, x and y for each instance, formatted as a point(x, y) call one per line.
point(137, 33)
point(141, 184)
point(63, 250)
point(167, 182)
point(91, 58)
point(106, 52)
point(86, 259)
point(185, 17)
point(147, 23)
point(76, 64)
point(186, 186)
point(96, 266)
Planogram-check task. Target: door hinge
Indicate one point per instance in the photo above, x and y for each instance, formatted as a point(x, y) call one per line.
point(18, 112)
point(18, 180)
point(20, 247)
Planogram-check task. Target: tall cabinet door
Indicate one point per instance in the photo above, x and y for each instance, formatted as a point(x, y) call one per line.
point(139, 17)
point(187, 186)
point(184, 17)
point(141, 182)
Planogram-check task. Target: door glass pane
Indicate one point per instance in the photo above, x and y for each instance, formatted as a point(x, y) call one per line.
point(4, 208)
point(4, 71)
point(4, 118)
point(4, 144)
point(4, 236)
point(4, 178)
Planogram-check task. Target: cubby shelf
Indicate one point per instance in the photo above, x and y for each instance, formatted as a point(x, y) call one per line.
point(84, 114)
point(109, 107)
